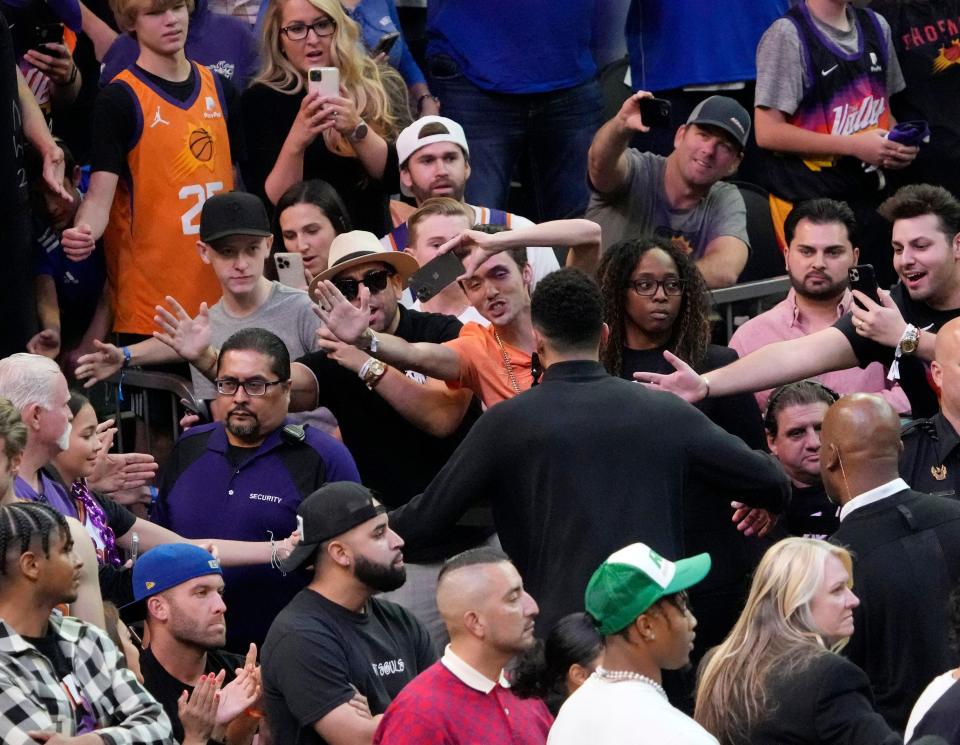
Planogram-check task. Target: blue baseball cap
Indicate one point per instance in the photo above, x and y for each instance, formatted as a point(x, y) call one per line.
point(169, 565)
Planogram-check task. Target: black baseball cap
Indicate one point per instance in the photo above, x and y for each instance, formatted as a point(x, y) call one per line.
point(725, 113)
point(233, 213)
point(331, 510)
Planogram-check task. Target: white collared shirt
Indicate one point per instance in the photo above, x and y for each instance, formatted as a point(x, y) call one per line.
point(468, 675)
point(874, 495)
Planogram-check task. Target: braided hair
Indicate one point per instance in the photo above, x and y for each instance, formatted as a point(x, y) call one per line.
point(21, 523)
point(690, 335)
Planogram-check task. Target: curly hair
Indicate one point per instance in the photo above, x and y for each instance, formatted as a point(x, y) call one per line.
point(376, 89)
point(690, 335)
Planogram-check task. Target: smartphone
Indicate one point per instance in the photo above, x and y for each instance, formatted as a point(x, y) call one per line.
point(326, 80)
point(290, 270)
point(862, 277)
point(428, 281)
point(655, 112)
point(135, 547)
point(47, 33)
point(385, 44)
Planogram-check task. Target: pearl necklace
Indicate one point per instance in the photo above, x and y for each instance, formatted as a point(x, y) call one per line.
point(615, 676)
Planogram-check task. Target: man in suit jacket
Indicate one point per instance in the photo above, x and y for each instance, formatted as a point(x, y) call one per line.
point(906, 548)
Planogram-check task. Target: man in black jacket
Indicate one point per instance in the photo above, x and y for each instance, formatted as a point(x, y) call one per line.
point(584, 463)
point(906, 548)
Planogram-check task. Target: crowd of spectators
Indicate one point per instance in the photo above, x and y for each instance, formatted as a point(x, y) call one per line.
point(447, 473)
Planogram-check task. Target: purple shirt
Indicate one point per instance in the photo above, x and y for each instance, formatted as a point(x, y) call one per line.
point(225, 45)
point(51, 493)
point(203, 494)
point(784, 321)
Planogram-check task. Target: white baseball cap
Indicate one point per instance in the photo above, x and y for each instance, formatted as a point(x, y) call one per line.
point(410, 140)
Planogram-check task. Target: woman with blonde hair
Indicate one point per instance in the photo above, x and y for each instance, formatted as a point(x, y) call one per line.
point(777, 678)
point(293, 134)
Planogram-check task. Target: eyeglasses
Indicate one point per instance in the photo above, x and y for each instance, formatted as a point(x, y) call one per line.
point(375, 281)
point(229, 386)
point(646, 287)
point(299, 31)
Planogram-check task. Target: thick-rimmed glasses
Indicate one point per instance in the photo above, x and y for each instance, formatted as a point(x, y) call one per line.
point(375, 281)
point(255, 387)
point(647, 287)
point(299, 31)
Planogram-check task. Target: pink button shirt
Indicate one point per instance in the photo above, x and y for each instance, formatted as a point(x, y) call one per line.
point(785, 321)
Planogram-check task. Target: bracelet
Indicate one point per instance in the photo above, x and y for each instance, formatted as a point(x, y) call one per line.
point(706, 382)
point(73, 76)
point(127, 356)
point(426, 95)
point(362, 373)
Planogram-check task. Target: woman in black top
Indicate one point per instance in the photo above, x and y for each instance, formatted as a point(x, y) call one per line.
point(777, 677)
point(295, 135)
point(656, 302)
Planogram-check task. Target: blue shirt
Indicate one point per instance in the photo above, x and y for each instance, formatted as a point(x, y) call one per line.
point(532, 46)
point(204, 495)
point(376, 19)
point(690, 42)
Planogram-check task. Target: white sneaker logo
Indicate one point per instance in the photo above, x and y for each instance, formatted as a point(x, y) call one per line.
point(157, 119)
point(824, 73)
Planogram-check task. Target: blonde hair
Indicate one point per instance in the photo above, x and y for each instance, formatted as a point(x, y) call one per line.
point(446, 206)
point(126, 11)
point(775, 631)
point(375, 89)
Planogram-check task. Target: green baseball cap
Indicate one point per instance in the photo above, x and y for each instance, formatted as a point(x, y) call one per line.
point(633, 579)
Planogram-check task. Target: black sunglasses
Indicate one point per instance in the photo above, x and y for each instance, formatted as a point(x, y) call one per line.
point(375, 281)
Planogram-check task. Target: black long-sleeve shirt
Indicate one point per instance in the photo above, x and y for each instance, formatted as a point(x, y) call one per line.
point(580, 466)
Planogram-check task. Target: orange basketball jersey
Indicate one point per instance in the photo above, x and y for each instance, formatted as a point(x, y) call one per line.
point(180, 157)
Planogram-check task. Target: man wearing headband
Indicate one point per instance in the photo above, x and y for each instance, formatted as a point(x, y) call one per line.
point(336, 656)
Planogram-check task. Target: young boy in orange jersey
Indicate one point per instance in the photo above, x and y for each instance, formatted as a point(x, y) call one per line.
point(163, 135)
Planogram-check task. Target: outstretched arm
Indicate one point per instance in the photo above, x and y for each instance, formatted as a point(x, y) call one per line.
point(607, 163)
point(349, 324)
point(767, 367)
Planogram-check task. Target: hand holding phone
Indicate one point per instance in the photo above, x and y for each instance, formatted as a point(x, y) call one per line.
point(431, 279)
point(862, 277)
point(655, 112)
point(290, 270)
point(324, 80)
point(385, 45)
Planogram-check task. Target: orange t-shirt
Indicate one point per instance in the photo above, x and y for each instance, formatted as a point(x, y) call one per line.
point(180, 159)
point(482, 367)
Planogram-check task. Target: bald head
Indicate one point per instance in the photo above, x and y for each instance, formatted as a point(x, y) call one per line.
point(481, 598)
point(946, 370)
point(859, 445)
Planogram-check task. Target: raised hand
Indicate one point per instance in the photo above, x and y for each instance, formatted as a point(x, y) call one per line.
point(121, 471)
point(345, 355)
point(629, 115)
point(685, 382)
point(198, 710)
point(339, 315)
point(188, 337)
point(98, 366)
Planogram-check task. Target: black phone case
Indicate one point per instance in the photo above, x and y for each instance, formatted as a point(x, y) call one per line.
point(655, 112)
point(863, 277)
point(428, 281)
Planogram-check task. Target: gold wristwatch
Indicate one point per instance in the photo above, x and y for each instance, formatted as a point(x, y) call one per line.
point(375, 370)
point(910, 340)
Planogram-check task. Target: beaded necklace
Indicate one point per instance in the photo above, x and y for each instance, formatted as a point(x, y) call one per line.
point(616, 676)
point(96, 516)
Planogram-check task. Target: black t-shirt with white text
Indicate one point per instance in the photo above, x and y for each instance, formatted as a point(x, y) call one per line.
point(318, 654)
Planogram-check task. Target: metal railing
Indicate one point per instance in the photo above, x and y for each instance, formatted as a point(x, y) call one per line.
point(724, 299)
point(135, 385)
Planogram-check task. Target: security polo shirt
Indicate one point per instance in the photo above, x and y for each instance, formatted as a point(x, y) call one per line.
point(212, 490)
